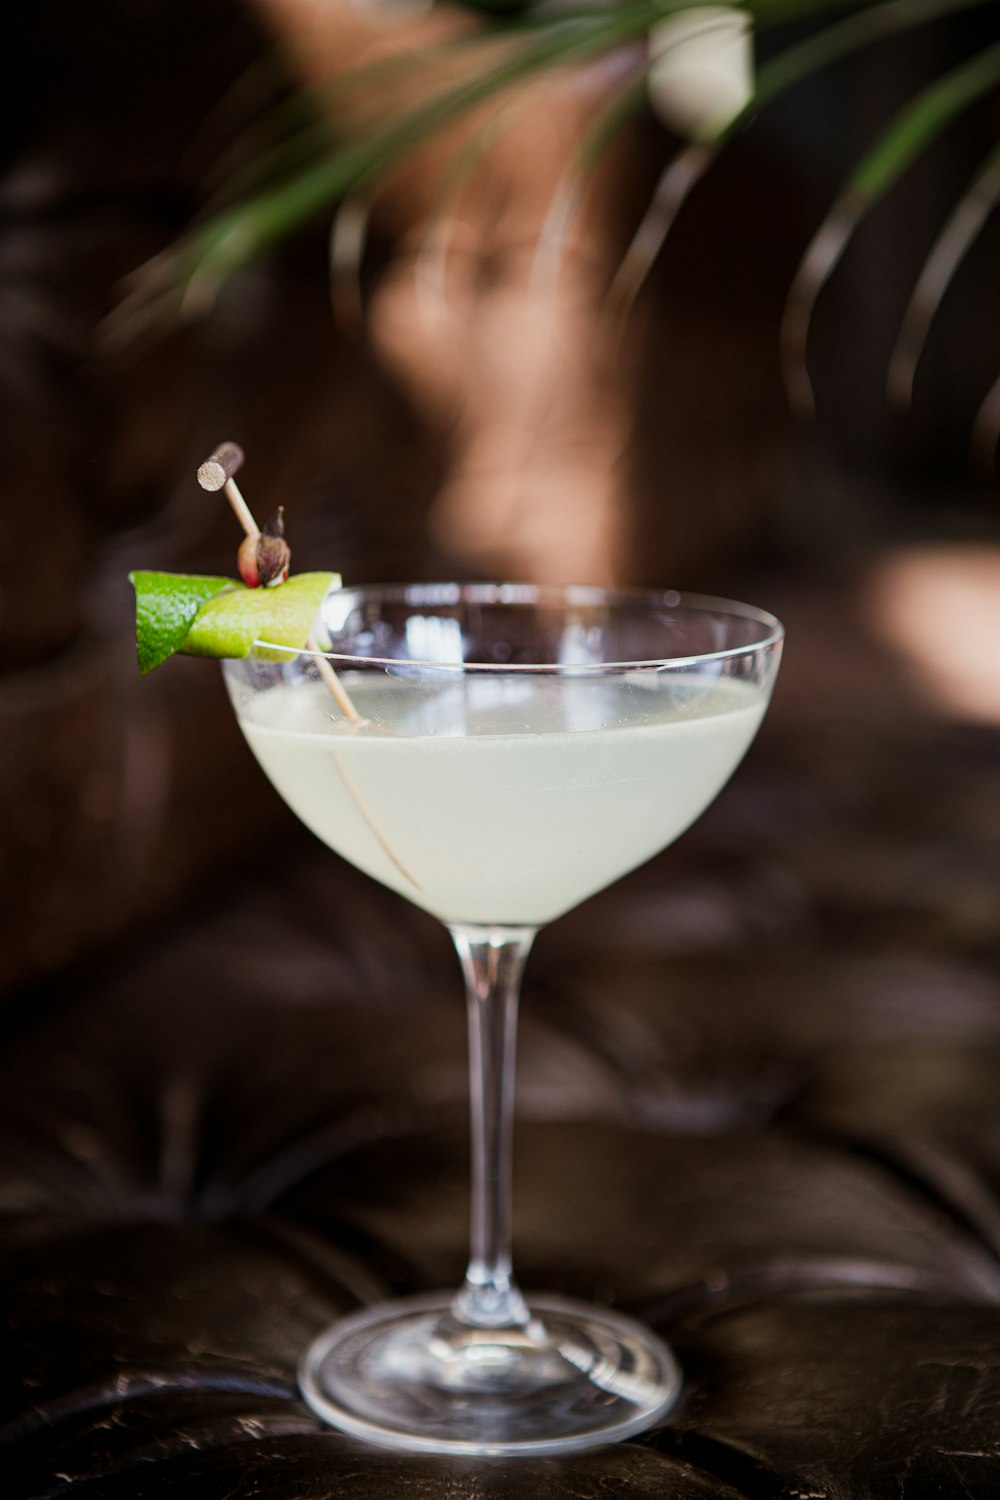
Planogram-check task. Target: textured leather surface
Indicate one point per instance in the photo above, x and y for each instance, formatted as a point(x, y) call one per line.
point(757, 1107)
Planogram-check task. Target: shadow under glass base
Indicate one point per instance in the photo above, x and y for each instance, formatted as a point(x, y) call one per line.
point(408, 1375)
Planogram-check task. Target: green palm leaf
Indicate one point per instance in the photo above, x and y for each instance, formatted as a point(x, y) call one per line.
point(305, 172)
point(955, 241)
point(910, 132)
point(793, 66)
point(199, 265)
point(986, 433)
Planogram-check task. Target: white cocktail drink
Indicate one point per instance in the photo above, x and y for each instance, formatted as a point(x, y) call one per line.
point(504, 800)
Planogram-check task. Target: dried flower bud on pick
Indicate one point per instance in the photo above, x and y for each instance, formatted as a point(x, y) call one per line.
point(264, 560)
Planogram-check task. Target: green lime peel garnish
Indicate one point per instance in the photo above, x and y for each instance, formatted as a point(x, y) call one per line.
point(218, 617)
point(199, 615)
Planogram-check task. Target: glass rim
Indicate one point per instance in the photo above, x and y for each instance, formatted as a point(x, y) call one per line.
point(448, 594)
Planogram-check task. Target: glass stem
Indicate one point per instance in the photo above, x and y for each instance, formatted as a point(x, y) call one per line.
point(493, 960)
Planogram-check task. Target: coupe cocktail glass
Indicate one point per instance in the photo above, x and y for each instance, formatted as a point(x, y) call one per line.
point(520, 748)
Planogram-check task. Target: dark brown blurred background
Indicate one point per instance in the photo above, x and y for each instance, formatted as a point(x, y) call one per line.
point(122, 799)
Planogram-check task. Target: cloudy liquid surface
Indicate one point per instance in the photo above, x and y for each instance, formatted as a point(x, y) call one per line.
point(505, 800)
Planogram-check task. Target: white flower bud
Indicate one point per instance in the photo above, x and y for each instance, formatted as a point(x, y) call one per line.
point(701, 68)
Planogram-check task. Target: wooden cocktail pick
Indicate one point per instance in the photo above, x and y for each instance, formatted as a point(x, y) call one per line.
point(216, 473)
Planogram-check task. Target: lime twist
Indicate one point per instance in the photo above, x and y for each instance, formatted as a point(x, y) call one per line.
point(202, 615)
point(205, 615)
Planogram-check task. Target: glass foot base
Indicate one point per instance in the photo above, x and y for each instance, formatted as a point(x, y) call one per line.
point(408, 1375)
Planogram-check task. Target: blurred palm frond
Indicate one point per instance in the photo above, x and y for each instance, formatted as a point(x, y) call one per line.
point(308, 172)
point(956, 239)
point(908, 134)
